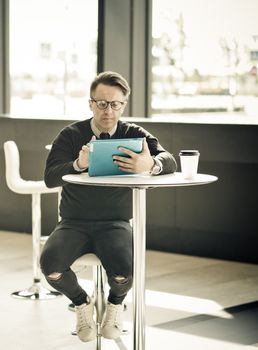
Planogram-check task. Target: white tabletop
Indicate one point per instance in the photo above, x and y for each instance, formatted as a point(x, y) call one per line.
point(139, 181)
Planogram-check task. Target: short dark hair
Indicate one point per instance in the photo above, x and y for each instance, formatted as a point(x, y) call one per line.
point(112, 79)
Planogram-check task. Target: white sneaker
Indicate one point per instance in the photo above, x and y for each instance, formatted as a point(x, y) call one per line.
point(112, 325)
point(85, 327)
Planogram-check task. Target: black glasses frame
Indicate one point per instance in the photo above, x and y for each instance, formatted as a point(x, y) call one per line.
point(107, 103)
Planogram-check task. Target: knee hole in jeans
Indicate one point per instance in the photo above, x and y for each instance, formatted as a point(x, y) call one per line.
point(55, 276)
point(120, 279)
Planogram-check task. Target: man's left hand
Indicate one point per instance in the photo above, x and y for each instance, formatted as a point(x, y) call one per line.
point(137, 162)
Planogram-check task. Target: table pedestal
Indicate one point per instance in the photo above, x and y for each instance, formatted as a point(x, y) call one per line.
point(139, 244)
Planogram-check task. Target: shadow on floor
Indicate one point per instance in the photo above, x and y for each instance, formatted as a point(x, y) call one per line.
point(241, 327)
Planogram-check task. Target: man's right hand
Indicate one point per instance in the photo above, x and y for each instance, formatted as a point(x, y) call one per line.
point(83, 159)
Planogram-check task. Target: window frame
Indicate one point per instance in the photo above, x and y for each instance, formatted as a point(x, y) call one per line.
point(4, 58)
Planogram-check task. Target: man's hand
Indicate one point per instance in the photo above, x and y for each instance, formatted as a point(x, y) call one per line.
point(83, 159)
point(138, 162)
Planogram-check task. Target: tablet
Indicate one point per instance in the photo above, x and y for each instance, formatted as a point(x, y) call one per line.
point(102, 151)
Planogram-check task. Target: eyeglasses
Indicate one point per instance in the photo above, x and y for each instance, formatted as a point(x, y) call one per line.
point(103, 104)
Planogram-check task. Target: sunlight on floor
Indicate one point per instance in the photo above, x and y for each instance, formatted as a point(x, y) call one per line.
point(185, 303)
point(170, 301)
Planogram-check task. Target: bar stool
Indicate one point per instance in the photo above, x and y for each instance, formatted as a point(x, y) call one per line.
point(35, 189)
point(98, 296)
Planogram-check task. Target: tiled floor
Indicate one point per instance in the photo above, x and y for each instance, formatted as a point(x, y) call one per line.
point(191, 304)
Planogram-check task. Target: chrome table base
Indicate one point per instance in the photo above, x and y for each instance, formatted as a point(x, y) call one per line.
point(139, 244)
point(36, 292)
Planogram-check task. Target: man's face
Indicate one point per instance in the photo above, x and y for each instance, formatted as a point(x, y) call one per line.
point(106, 119)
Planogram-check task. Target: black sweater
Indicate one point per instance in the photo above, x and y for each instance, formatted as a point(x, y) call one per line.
point(92, 203)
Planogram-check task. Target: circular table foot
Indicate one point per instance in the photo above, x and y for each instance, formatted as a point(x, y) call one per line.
point(36, 292)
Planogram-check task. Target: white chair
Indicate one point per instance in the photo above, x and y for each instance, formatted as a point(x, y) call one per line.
point(35, 189)
point(98, 296)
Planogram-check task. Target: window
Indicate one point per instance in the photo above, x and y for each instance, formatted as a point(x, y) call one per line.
point(204, 55)
point(53, 56)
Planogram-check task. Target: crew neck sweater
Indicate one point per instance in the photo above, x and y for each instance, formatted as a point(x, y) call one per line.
point(95, 203)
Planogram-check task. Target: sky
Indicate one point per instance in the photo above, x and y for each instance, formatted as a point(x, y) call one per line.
point(66, 23)
point(73, 23)
point(206, 22)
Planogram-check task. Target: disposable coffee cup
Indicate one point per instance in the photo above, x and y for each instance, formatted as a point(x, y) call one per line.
point(189, 160)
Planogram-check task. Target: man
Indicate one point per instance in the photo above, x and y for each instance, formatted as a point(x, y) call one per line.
point(96, 219)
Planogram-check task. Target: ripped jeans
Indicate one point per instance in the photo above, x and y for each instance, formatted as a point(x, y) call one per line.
point(111, 241)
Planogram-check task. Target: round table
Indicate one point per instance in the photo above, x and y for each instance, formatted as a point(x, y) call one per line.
point(139, 184)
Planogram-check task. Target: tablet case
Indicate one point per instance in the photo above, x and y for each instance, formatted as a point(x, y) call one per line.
point(102, 152)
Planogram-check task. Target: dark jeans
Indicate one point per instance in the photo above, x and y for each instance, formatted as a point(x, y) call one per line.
point(111, 241)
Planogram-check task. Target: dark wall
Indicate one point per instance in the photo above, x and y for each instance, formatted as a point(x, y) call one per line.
point(216, 220)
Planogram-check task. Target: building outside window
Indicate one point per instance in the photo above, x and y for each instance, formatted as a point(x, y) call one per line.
point(204, 56)
point(53, 56)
